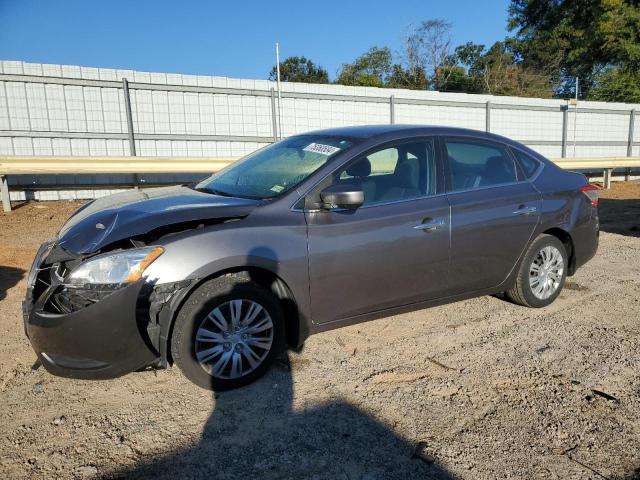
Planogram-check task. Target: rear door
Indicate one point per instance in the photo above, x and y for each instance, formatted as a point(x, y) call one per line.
point(493, 212)
point(394, 250)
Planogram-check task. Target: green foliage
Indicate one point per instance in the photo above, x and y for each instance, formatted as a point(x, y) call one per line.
point(300, 69)
point(401, 77)
point(495, 71)
point(617, 85)
point(371, 69)
point(458, 80)
point(584, 38)
point(553, 42)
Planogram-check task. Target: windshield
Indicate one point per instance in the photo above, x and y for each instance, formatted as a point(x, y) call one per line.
point(275, 169)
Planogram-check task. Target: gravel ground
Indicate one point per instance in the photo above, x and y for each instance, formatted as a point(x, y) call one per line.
point(479, 389)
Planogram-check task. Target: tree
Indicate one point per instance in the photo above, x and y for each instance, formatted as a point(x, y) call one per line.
point(616, 85)
point(596, 40)
point(371, 69)
point(300, 69)
point(495, 71)
point(428, 50)
point(472, 57)
point(401, 77)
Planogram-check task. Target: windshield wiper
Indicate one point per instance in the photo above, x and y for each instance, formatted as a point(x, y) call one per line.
point(212, 191)
point(220, 193)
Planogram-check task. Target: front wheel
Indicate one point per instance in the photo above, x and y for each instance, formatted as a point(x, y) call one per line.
point(542, 273)
point(227, 333)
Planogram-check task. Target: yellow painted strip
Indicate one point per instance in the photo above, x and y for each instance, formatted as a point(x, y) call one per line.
point(13, 165)
point(16, 165)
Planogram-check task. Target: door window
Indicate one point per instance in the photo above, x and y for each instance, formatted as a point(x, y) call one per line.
point(476, 165)
point(393, 173)
point(528, 164)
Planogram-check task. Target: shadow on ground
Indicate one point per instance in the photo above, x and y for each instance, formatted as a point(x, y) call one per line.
point(620, 216)
point(9, 277)
point(254, 432)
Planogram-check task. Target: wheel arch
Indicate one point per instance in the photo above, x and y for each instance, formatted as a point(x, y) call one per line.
point(295, 333)
point(567, 241)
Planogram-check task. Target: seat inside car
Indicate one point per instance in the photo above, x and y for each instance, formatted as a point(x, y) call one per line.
point(404, 181)
point(497, 170)
point(360, 171)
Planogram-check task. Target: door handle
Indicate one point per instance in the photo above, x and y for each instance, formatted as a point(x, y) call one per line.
point(525, 211)
point(430, 226)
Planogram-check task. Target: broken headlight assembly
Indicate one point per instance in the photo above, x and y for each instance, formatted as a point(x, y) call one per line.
point(98, 277)
point(119, 268)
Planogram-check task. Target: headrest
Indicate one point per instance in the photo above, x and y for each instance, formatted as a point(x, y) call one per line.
point(496, 163)
point(408, 173)
point(362, 168)
point(497, 171)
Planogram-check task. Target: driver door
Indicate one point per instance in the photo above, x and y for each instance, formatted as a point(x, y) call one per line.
point(394, 249)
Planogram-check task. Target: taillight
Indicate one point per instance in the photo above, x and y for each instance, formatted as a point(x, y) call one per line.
point(591, 191)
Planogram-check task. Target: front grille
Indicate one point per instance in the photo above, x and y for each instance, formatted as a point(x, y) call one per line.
point(39, 278)
point(42, 282)
point(71, 299)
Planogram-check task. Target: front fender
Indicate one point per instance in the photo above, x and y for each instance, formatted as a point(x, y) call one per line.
point(279, 248)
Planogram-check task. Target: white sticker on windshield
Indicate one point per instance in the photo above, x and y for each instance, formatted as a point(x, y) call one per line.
point(320, 148)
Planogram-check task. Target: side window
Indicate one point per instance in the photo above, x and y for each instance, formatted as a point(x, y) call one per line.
point(476, 164)
point(383, 162)
point(398, 172)
point(528, 164)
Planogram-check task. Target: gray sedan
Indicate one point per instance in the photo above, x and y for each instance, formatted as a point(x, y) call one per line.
point(312, 233)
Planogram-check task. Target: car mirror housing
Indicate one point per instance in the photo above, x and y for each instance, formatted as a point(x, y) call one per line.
point(342, 196)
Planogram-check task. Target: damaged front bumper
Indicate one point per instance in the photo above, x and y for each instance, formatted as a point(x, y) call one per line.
point(118, 332)
point(100, 341)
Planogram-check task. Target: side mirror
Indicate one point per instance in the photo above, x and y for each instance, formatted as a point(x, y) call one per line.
point(342, 196)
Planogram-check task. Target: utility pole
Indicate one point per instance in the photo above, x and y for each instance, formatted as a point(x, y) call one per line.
point(575, 117)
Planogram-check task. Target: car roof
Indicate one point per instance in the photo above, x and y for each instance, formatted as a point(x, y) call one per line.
point(372, 131)
point(397, 131)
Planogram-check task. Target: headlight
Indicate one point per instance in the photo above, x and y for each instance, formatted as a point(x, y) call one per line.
point(112, 268)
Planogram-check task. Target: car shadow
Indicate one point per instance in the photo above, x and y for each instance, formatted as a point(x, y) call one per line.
point(255, 432)
point(633, 475)
point(620, 216)
point(9, 277)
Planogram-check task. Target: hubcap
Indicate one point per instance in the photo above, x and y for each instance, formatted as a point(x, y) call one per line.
point(234, 339)
point(546, 272)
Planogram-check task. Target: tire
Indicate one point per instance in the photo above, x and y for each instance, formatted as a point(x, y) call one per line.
point(523, 292)
point(199, 333)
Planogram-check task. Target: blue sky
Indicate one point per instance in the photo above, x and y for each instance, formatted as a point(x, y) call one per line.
point(233, 39)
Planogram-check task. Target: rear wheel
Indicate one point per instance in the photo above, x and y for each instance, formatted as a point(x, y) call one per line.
point(542, 273)
point(227, 333)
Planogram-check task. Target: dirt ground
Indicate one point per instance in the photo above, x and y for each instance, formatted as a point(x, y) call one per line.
point(479, 389)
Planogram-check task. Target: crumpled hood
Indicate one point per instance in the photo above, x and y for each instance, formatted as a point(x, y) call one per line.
point(135, 212)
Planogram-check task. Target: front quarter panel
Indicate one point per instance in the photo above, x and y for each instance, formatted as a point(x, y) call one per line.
point(273, 241)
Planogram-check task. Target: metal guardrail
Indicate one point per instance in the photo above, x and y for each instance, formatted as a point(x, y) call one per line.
point(25, 165)
point(587, 163)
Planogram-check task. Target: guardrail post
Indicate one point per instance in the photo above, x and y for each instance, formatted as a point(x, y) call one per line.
point(4, 192)
point(487, 117)
point(274, 115)
point(607, 178)
point(632, 118)
point(565, 120)
point(392, 109)
point(132, 140)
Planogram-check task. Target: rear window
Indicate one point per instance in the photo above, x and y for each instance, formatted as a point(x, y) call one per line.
point(528, 164)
